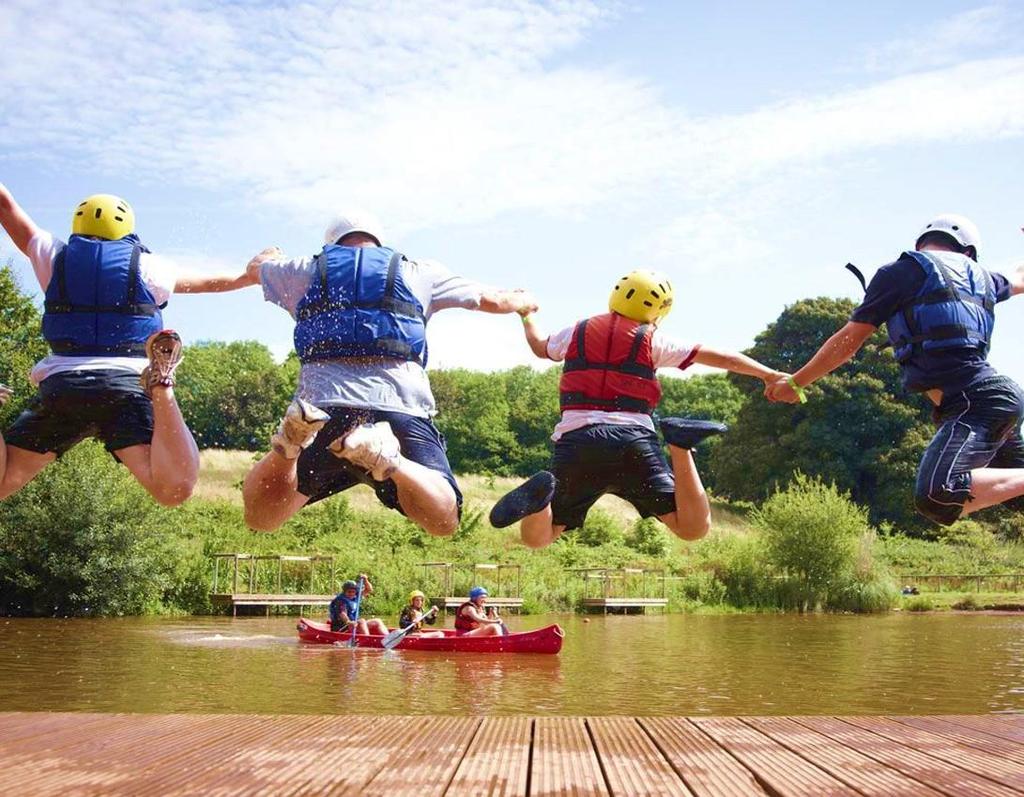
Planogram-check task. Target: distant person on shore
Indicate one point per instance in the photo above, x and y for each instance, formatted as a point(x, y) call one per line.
point(605, 441)
point(111, 371)
point(938, 306)
point(344, 609)
point(472, 618)
point(362, 410)
point(412, 614)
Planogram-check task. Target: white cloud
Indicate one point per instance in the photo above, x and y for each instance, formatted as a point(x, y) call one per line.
point(434, 112)
point(936, 43)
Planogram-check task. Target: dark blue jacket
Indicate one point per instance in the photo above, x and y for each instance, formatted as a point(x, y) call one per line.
point(358, 305)
point(953, 310)
point(97, 302)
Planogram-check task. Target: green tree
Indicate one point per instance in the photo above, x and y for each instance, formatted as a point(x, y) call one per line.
point(648, 536)
point(811, 530)
point(21, 342)
point(233, 394)
point(84, 539)
point(474, 418)
point(854, 419)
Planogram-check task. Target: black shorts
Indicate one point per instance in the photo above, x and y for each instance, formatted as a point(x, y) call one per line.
point(626, 461)
point(109, 405)
point(321, 474)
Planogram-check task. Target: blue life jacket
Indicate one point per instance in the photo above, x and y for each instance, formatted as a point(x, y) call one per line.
point(358, 305)
point(954, 309)
point(97, 302)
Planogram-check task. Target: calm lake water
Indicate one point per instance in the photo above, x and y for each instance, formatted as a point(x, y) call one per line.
point(675, 664)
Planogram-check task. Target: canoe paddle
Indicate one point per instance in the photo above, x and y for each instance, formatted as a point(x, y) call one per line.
point(390, 642)
point(355, 620)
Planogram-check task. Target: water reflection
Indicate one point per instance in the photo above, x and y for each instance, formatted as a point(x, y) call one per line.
point(742, 664)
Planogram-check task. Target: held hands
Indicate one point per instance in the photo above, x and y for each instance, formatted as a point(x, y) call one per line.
point(252, 269)
point(779, 389)
point(523, 302)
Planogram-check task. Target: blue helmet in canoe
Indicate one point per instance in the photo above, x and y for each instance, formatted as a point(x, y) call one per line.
point(476, 593)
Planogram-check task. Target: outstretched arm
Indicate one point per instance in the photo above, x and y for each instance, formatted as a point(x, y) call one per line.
point(506, 301)
point(537, 340)
point(737, 364)
point(15, 221)
point(834, 352)
point(199, 282)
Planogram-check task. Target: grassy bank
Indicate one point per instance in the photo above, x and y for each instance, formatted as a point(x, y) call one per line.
point(83, 539)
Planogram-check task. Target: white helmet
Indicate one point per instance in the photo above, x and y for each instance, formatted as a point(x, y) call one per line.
point(352, 221)
point(960, 228)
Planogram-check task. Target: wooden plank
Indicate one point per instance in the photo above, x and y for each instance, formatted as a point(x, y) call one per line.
point(426, 762)
point(708, 769)
point(967, 736)
point(940, 775)
point(564, 762)
point(772, 764)
point(993, 725)
point(16, 726)
point(866, 775)
point(497, 763)
point(989, 766)
point(631, 762)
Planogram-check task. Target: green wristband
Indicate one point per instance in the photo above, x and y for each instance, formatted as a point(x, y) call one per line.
point(797, 389)
point(526, 318)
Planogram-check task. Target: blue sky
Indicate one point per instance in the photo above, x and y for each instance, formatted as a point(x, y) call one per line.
point(748, 149)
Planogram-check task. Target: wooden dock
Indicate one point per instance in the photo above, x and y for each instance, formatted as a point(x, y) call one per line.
point(141, 754)
point(266, 600)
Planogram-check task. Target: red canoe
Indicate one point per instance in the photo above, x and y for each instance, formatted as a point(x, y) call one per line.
point(543, 640)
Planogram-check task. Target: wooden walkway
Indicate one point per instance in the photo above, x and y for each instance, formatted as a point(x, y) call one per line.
point(139, 754)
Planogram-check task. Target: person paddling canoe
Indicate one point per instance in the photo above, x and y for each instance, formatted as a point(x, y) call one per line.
point(413, 614)
point(344, 609)
point(472, 618)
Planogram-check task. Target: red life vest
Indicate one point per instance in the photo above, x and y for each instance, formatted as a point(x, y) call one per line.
point(463, 623)
point(609, 366)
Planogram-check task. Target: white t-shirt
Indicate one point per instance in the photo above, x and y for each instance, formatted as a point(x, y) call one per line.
point(159, 273)
point(666, 352)
point(380, 383)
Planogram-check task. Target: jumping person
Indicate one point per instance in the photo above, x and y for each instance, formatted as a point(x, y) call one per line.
point(363, 405)
point(605, 441)
point(472, 619)
point(938, 307)
point(111, 371)
point(412, 614)
point(344, 609)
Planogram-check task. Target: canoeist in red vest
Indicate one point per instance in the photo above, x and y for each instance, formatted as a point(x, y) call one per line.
point(605, 441)
point(472, 619)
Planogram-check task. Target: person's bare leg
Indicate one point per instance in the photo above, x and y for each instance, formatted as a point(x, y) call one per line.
point(488, 629)
point(538, 531)
point(19, 466)
point(991, 486)
point(692, 517)
point(376, 626)
point(270, 492)
point(426, 498)
point(168, 467)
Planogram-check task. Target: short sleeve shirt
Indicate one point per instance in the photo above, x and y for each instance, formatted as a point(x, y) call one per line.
point(383, 383)
point(666, 352)
point(159, 273)
point(891, 289)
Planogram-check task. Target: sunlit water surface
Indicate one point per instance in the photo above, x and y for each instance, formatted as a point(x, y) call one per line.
point(676, 664)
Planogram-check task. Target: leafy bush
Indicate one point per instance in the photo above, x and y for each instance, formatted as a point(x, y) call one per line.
point(648, 536)
point(918, 603)
point(600, 528)
point(811, 533)
point(968, 603)
point(84, 539)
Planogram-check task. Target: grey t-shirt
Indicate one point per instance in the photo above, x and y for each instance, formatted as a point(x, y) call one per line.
point(381, 383)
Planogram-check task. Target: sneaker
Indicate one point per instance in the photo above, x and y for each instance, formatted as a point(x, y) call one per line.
point(164, 352)
point(687, 433)
point(298, 427)
point(372, 446)
point(527, 499)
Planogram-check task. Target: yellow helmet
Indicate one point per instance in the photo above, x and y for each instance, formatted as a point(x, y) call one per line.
point(103, 216)
point(416, 594)
point(643, 296)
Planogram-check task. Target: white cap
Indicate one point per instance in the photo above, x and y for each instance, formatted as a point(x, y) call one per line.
point(960, 228)
point(352, 221)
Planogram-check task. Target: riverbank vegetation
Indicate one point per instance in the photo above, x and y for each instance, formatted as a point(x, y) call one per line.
point(812, 507)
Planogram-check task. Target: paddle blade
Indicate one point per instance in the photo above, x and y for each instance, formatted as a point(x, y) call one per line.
point(390, 642)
